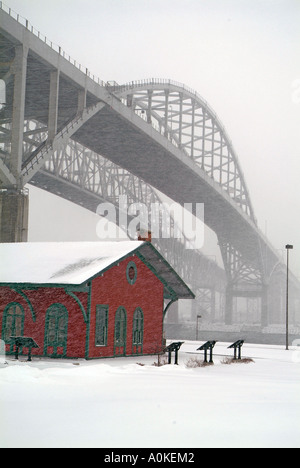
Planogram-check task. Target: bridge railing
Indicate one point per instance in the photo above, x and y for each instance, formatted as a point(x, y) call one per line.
point(25, 22)
point(161, 81)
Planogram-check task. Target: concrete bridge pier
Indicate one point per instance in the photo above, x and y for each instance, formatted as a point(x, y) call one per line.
point(14, 201)
point(265, 306)
point(14, 211)
point(263, 295)
point(229, 305)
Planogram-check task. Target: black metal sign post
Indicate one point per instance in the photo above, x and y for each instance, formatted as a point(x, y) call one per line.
point(237, 346)
point(174, 347)
point(208, 346)
point(20, 341)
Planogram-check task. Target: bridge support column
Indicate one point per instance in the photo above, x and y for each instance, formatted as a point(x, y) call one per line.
point(20, 69)
point(53, 105)
point(229, 305)
point(213, 305)
point(265, 306)
point(14, 210)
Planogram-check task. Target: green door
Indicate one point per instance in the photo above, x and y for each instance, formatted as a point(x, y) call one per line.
point(56, 331)
point(120, 332)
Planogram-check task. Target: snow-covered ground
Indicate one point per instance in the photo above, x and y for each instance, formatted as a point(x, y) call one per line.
point(118, 403)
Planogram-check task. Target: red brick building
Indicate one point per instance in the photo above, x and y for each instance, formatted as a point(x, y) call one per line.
point(86, 300)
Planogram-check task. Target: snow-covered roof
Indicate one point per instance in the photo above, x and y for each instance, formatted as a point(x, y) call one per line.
point(74, 263)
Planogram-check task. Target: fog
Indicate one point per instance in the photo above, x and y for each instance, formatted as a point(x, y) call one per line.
point(242, 56)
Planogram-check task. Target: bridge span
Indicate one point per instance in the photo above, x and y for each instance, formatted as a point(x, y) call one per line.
point(157, 131)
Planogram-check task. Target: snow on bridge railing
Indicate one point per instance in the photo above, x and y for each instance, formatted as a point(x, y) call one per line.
point(24, 22)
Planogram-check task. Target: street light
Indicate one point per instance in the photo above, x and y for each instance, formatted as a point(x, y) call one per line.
point(197, 329)
point(288, 248)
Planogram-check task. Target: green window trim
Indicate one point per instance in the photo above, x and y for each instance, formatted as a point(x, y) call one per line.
point(24, 295)
point(13, 323)
point(101, 330)
point(56, 330)
point(138, 331)
point(120, 337)
point(131, 273)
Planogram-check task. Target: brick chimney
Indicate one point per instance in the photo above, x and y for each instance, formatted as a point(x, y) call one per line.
point(144, 235)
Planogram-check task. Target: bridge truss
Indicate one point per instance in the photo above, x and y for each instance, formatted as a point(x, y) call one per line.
point(90, 141)
point(183, 117)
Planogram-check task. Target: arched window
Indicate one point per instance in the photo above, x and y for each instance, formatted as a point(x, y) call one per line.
point(13, 322)
point(56, 331)
point(138, 331)
point(120, 332)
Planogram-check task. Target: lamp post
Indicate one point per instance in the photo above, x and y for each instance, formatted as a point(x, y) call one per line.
point(197, 325)
point(288, 248)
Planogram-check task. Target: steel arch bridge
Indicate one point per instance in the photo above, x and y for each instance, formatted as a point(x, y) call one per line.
point(190, 124)
point(59, 127)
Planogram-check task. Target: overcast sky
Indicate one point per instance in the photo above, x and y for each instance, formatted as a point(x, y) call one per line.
point(242, 56)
